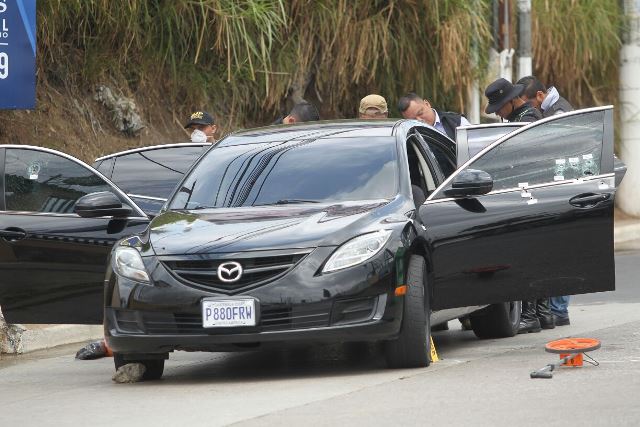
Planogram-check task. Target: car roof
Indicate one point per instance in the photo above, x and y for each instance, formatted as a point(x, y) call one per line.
point(316, 130)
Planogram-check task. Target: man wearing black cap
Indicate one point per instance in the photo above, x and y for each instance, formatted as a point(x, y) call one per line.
point(504, 100)
point(202, 127)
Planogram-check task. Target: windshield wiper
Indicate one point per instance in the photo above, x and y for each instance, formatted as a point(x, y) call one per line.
point(289, 202)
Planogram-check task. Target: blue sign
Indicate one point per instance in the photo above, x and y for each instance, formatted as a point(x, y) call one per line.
point(17, 54)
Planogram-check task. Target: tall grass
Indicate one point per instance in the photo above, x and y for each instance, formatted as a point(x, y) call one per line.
point(243, 59)
point(576, 44)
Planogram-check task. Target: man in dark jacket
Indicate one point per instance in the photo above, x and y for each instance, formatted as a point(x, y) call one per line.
point(412, 106)
point(546, 100)
point(550, 103)
point(504, 100)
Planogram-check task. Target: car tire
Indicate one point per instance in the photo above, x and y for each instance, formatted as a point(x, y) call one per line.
point(154, 368)
point(412, 347)
point(498, 320)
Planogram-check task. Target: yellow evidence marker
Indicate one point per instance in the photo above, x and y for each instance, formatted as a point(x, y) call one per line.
point(434, 354)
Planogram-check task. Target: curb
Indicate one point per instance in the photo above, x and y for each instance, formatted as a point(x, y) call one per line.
point(626, 233)
point(41, 337)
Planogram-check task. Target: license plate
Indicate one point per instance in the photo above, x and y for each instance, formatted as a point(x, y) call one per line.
point(228, 312)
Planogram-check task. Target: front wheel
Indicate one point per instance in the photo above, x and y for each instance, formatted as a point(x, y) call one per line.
point(153, 367)
point(411, 349)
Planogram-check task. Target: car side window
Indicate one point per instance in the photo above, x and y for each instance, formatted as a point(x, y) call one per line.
point(39, 181)
point(105, 167)
point(445, 158)
point(156, 172)
point(564, 149)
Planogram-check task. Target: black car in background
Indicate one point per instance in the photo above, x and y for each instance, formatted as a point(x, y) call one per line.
point(323, 232)
point(148, 175)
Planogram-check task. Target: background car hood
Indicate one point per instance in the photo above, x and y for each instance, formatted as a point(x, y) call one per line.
point(258, 228)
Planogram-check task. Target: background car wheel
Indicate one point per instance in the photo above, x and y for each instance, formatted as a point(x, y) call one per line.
point(153, 367)
point(498, 320)
point(411, 349)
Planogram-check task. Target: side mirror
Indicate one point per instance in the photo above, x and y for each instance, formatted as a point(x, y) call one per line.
point(100, 204)
point(470, 182)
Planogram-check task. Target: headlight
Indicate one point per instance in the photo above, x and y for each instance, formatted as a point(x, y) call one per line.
point(127, 262)
point(357, 250)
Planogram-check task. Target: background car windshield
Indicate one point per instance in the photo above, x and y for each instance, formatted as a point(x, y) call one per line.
point(320, 170)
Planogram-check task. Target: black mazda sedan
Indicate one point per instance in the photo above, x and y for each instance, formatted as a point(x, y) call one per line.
point(343, 231)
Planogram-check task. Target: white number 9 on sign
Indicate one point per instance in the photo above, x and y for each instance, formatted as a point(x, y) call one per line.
point(4, 65)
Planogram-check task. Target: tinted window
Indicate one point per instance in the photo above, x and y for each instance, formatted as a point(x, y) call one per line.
point(38, 181)
point(156, 172)
point(480, 138)
point(563, 149)
point(105, 167)
point(320, 170)
point(148, 206)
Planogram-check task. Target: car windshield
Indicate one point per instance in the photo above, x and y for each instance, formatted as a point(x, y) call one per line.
point(302, 171)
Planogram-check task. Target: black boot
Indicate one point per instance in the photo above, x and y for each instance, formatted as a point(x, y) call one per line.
point(543, 311)
point(528, 319)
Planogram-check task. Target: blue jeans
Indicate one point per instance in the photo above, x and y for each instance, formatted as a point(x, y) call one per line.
point(559, 306)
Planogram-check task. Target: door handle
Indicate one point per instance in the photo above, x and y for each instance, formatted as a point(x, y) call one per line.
point(588, 199)
point(12, 234)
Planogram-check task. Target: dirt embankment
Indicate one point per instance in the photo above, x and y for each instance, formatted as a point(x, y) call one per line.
point(85, 123)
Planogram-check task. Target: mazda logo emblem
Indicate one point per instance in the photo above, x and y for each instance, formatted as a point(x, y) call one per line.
point(229, 272)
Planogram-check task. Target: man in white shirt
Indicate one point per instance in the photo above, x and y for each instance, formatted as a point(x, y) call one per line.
point(412, 106)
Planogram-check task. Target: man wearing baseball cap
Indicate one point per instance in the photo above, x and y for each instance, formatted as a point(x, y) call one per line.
point(504, 100)
point(202, 127)
point(373, 107)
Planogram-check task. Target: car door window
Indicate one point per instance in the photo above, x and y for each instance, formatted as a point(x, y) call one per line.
point(419, 171)
point(105, 167)
point(443, 150)
point(154, 173)
point(473, 139)
point(40, 181)
point(563, 149)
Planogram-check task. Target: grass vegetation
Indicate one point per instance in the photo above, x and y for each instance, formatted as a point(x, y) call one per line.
point(576, 45)
point(242, 58)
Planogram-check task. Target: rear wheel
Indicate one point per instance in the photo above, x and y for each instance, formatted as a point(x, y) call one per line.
point(411, 349)
point(498, 320)
point(153, 367)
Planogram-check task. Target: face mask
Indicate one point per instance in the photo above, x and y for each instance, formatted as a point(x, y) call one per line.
point(198, 136)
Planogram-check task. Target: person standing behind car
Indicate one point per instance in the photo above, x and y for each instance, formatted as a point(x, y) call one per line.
point(202, 127)
point(550, 103)
point(301, 112)
point(373, 107)
point(413, 106)
point(504, 100)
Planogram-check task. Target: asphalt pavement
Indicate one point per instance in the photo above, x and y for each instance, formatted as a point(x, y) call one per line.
point(477, 382)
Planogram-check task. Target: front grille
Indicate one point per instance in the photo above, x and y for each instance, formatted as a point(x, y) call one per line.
point(256, 270)
point(273, 318)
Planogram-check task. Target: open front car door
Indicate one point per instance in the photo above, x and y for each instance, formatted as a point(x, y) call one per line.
point(59, 219)
point(529, 216)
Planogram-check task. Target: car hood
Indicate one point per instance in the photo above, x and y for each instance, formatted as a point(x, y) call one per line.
point(259, 228)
